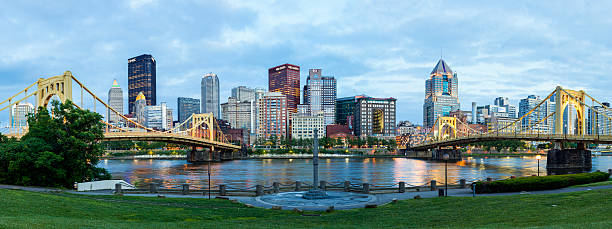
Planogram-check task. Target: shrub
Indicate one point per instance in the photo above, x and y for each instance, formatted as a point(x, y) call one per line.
point(540, 182)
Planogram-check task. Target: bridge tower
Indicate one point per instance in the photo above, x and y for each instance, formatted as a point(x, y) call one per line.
point(446, 127)
point(208, 120)
point(57, 85)
point(563, 98)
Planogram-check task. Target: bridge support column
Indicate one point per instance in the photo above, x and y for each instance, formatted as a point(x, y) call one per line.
point(438, 154)
point(563, 161)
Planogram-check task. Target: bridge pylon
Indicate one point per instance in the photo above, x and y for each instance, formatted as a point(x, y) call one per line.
point(564, 98)
point(57, 85)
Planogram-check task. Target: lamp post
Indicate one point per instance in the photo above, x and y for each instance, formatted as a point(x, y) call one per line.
point(539, 157)
point(446, 157)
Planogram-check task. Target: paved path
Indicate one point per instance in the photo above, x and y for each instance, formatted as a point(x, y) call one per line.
point(380, 199)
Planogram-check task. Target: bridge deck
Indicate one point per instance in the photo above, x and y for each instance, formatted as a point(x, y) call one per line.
point(604, 139)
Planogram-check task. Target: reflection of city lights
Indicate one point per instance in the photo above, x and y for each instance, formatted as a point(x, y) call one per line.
point(346, 160)
point(290, 159)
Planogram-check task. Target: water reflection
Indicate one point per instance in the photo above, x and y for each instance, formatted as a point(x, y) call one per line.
point(379, 171)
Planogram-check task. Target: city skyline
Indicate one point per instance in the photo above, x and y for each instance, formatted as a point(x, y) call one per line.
point(534, 44)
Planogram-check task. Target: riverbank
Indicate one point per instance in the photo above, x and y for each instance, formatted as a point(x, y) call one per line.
point(24, 209)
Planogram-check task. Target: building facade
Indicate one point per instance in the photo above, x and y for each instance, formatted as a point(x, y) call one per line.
point(320, 95)
point(375, 117)
point(272, 116)
point(140, 109)
point(115, 101)
point(441, 93)
point(157, 116)
point(345, 110)
point(238, 113)
point(598, 124)
point(141, 78)
point(186, 107)
point(19, 117)
point(242, 93)
point(286, 80)
point(304, 124)
point(210, 95)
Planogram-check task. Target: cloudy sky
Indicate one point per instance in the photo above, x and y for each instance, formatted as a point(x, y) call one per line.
point(379, 48)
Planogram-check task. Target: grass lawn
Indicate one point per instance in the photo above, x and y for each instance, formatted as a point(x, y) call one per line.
point(23, 209)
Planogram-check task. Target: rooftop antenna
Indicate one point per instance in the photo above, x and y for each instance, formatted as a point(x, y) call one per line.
point(440, 53)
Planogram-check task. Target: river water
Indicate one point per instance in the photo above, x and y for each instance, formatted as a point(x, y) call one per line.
point(378, 171)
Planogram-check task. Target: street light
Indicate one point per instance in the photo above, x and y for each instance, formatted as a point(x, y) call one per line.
point(539, 157)
point(446, 157)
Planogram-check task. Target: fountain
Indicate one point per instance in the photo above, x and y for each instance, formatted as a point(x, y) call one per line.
point(316, 198)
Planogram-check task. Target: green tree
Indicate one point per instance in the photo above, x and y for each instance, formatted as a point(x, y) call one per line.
point(57, 151)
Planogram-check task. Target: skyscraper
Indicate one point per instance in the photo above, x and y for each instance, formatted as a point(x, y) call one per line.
point(187, 107)
point(320, 95)
point(210, 95)
point(375, 117)
point(286, 80)
point(141, 78)
point(441, 93)
point(238, 113)
point(115, 101)
point(140, 108)
point(157, 116)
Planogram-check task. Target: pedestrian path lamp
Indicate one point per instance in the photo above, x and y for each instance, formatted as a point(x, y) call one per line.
point(446, 157)
point(539, 157)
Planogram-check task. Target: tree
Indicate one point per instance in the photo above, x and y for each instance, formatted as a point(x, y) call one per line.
point(57, 151)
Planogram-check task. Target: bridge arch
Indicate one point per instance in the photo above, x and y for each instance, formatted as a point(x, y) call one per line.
point(446, 128)
point(61, 86)
point(563, 99)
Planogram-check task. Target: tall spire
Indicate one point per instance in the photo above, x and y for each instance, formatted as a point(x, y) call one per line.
point(115, 84)
point(442, 67)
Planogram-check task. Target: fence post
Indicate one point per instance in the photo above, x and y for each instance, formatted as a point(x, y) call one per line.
point(347, 186)
point(433, 185)
point(402, 187)
point(222, 190)
point(298, 185)
point(118, 189)
point(275, 187)
point(185, 189)
point(153, 188)
point(609, 171)
point(462, 183)
point(366, 188)
point(489, 179)
point(323, 185)
point(258, 190)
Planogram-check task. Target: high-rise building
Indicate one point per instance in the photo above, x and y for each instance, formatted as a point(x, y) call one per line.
point(504, 102)
point(115, 101)
point(304, 124)
point(169, 119)
point(375, 117)
point(210, 95)
point(157, 116)
point(141, 78)
point(187, 107)
point(242, 93)
point(238, 113)
point(532, 121)
point(19, 117)
point(441, 93)
point(140, 109)
point(320, 95)
point(598, 124)
point(286, 80)
point(272, 116)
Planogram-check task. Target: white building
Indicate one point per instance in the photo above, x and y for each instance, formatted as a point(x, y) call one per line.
point(320, 95)
point(19, 117)
point(238, 113)
point(140, 109)
point(530, 122)
point(303, 125)
point(157, 116)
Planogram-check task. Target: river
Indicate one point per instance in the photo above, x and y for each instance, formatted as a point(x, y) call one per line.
point(378, 171)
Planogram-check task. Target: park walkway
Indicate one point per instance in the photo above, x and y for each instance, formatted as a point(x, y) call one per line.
point(380, 199)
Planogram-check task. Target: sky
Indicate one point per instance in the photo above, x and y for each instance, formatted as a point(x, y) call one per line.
point(379, 48)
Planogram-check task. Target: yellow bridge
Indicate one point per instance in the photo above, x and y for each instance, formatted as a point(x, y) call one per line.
point(199, 130)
